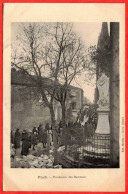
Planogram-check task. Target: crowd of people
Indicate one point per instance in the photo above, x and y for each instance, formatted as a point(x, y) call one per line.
point(31, 138)
point(44, 135)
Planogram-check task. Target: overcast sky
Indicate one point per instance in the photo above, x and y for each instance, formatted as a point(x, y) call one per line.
point(89, 33)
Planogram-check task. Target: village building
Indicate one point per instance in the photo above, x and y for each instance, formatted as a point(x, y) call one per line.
point(28, 111)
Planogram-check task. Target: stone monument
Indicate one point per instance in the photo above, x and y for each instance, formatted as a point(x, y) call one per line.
point(103, 126)
point(98, 151)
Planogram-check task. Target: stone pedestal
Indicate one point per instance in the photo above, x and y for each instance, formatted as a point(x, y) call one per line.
point(103, 126)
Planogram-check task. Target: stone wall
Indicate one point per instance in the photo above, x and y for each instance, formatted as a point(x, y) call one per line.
point(24, 113)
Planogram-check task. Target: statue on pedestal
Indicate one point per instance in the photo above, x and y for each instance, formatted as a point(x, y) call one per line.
point(103, 87)
point(103, 102)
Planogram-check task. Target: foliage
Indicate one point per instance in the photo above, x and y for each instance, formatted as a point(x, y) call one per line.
point(101, 54)
point(89, 111)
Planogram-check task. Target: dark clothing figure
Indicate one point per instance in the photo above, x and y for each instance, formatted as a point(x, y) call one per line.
point(34, 140)
point(44, 135)
point(17, 139)
point(12, 137)
point(40, 133)
point(25, 143)
point(35, 131)
point(30, 140)
point(48, 136)
point(44, 138)
point(47, 127)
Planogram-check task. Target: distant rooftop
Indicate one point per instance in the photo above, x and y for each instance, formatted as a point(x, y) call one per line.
point(23, 79)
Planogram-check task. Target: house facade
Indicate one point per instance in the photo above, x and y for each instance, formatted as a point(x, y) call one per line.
point(27, 113)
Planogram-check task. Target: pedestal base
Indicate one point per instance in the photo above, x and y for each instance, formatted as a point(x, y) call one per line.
point(98, 149)
point(103, 126)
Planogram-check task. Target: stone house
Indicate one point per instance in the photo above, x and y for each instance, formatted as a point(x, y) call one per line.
point(27, 112)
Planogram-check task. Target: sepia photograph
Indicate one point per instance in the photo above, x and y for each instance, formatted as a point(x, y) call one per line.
point(65, 95)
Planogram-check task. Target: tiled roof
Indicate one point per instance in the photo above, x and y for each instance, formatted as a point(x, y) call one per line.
point(20, 78)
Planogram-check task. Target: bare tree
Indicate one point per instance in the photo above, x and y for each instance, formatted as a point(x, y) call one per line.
point(65, 56)
point(55, 51)
point(27, 56)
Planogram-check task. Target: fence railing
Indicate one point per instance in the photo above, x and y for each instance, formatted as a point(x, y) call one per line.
point(90, 151)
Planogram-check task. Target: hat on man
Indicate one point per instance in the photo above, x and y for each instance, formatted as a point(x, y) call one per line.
point(24, 131)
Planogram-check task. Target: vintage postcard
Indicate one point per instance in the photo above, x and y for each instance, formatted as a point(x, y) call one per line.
point(64, 97)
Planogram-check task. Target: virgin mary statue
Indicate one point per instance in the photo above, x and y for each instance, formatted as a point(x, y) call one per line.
point(103, 87)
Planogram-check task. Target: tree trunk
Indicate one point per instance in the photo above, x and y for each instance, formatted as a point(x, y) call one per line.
point(64, 124)
point(48, 142)
point(54, 130)
point(63, 113)
point(53, 122)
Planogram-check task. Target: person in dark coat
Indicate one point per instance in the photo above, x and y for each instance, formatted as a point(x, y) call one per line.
point(25, 143)
point(30, 138)
point(17, 139)
point(34, 140)
point(44, 135)
point(35, 130)
point(40, 133)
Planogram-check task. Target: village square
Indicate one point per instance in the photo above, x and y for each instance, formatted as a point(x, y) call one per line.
point(64, 96)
